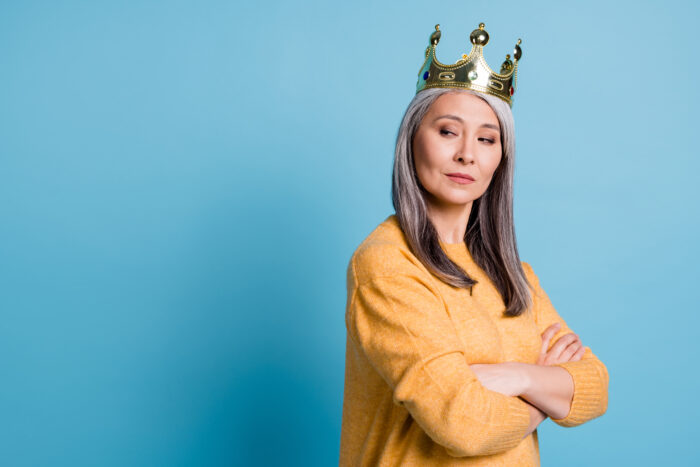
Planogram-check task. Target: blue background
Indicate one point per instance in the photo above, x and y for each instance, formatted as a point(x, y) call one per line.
point(182, 185)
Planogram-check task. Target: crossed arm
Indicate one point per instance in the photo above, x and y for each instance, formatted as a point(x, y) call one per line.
point(569, 401)
point(548, 390)
point(568, 383)
point(397, 317)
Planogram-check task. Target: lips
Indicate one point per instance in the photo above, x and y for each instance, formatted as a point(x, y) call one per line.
point(463, 176)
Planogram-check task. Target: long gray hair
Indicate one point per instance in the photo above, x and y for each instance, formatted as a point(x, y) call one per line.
point(490, 235)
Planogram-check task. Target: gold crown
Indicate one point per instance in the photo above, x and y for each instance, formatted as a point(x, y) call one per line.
point(471, 71)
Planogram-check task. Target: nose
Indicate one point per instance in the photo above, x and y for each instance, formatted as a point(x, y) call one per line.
point(465, 152)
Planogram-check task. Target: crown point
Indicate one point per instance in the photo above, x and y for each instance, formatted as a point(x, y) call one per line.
point(517, 51)
point(479, 36)
point(507, 65)
point(481, 25)
point(435, 36)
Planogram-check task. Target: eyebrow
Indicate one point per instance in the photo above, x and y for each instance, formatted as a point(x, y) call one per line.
point(459, 119)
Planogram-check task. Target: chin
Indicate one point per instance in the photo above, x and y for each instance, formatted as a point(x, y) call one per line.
point(450, 196)
point(455, 200)
point(458, 198)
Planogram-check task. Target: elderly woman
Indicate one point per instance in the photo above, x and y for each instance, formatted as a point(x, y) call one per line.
point(454, 353)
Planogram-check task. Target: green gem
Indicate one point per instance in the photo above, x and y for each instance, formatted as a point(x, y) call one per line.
point(472, 75)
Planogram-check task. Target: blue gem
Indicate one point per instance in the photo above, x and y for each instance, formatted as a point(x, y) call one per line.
point(425, 75)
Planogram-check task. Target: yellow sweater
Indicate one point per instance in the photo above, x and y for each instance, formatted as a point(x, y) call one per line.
point(410, 397)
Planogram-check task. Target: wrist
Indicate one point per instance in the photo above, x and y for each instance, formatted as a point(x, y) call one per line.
point(525, 377)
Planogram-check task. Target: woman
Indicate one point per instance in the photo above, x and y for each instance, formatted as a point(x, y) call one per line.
point(448, 357)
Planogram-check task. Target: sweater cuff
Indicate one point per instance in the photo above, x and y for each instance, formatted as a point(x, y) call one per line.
point(515, 416)
point(588, 392)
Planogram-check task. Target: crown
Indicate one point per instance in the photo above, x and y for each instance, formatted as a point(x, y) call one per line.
point(471, 71)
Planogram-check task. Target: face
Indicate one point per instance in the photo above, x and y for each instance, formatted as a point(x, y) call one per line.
point(459, 135)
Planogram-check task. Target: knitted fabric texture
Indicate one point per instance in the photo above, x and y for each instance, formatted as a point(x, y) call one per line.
point(410, 397)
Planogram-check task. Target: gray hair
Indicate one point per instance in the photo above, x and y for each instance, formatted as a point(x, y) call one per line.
point(490, 235)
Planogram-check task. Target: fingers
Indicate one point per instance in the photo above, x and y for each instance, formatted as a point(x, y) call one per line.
point(560, 345)
point(569, 353)
point(578, 354)
point(547, 336)
point(567, 348)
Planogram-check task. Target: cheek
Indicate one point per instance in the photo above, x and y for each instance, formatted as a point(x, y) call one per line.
point(419, 163)
point(427, 164)
point(425, 174)
point(491, 164)
point(489, 167)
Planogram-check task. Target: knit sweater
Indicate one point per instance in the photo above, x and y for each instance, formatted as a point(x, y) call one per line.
point(410, 397)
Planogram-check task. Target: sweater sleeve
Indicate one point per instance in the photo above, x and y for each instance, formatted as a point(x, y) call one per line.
point(590, 376)
point(402, 325)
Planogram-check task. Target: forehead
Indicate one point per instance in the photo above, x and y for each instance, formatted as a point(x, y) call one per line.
point(466, 106)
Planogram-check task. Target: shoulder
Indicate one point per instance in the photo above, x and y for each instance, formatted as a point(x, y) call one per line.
point(384, 253)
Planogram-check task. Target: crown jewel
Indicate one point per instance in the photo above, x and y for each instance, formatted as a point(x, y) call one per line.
point(471, 71)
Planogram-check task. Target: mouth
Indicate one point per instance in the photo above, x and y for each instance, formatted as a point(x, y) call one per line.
point(460, 178)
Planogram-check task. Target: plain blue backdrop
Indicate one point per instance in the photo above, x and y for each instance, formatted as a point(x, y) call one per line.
point(182, 185)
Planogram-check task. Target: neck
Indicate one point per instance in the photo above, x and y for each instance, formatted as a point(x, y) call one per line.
point(450, 221)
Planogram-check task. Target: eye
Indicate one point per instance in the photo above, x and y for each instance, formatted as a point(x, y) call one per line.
point(490, 141)
point(446, 132)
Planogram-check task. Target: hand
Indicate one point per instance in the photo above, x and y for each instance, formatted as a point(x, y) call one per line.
point(507, 378)
point(568, 347)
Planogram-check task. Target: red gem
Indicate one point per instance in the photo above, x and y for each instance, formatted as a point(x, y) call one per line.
point(512, 90)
